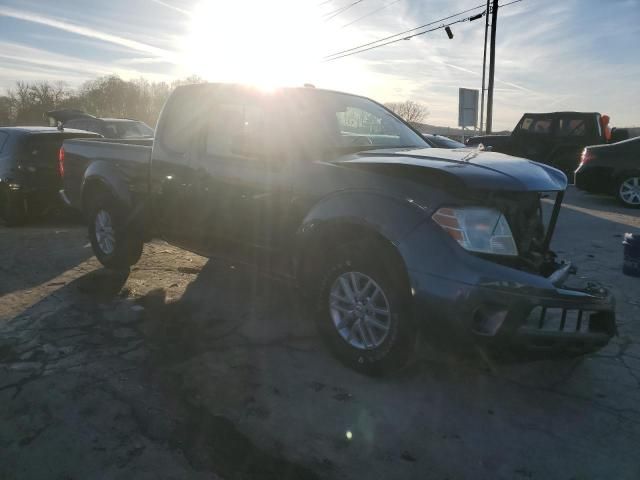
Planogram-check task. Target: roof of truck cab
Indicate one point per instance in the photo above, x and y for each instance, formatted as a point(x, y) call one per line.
point(195, 86)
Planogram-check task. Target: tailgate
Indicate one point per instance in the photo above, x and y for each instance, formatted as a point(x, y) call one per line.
point(38, 161)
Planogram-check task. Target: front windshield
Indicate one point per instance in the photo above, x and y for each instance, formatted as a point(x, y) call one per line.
point(341, 122)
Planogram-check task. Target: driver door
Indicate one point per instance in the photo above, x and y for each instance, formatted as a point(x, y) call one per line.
point(244, 182)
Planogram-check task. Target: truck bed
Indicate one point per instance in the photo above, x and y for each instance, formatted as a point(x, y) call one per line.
point(84, 159)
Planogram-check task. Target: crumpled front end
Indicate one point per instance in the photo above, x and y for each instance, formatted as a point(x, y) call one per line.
point(526, 301)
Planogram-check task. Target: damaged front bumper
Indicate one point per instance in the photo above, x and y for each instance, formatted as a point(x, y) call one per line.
point(529, 303)
point(544, 314)
point(571, 319)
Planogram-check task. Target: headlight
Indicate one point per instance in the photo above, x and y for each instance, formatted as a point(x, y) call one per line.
point(478, 229)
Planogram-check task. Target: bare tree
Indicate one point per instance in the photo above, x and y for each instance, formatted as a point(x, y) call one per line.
point(410, 111)
point(108, 96)
point(6, 111)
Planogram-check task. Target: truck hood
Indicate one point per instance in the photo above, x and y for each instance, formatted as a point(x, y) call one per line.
point(476, 169)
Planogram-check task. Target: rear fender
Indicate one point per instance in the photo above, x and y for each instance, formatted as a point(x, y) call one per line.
point(106, 175)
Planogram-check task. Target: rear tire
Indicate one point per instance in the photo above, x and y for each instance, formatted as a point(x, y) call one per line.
point(12, 209)
point(114, 243)
point(628, 190)
point(356, 329)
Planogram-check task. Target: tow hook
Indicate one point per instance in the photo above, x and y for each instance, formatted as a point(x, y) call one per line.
point(559, 276)
point(595, 289)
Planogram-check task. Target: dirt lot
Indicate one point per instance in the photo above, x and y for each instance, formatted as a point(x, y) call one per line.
point(193, 368)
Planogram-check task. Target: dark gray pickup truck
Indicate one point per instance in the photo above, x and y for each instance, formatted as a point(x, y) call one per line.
point(556, 138)
point(384, 234)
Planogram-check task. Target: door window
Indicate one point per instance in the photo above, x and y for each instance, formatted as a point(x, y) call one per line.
point(539, 125)
point(237, 130)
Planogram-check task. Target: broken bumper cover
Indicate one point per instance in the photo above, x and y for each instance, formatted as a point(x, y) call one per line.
point(505, 314)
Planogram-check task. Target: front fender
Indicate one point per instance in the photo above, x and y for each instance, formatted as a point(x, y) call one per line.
point(350, 216)
point(391, 217)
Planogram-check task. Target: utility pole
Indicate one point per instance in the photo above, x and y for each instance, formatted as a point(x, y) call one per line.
point(492, 65)
point(484, 63)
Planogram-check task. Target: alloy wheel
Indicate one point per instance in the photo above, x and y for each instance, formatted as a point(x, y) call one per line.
point(105, 234)
point(630, 191)
point(360, 310)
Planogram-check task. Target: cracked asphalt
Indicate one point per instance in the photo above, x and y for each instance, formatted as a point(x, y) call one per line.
point(193, 368)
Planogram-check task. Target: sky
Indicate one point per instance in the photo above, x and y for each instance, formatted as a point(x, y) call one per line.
point(551, 55)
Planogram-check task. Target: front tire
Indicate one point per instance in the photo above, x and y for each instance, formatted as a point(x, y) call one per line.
point(364, 309)
point(114, 242)
point(628, 190)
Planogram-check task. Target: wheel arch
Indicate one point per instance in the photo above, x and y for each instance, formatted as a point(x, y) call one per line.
point(352, 216)
point(104, 178)
point(627, 172)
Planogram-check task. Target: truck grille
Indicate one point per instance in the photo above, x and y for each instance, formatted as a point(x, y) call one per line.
point(566, 320)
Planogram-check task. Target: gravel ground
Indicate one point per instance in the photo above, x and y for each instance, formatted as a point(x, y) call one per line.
point(195, 368)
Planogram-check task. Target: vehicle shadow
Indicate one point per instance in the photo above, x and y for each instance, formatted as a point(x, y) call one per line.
point(227, 305)
point(93, 329)
point(38, 253)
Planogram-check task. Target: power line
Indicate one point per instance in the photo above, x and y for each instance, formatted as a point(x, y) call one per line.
point(337, 12)
point(406, 31)
point(370, 13)
point(397, 40)
point(510, 3)
point(377, 44)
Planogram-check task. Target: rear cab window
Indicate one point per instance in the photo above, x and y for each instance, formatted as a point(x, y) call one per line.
point(571, 127)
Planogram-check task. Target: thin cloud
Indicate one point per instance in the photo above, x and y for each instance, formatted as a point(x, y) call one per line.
point(29, 59)
point(172, 7)
point(511, 84)
point(84, 31)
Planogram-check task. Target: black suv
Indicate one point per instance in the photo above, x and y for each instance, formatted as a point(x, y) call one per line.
point(30, 174)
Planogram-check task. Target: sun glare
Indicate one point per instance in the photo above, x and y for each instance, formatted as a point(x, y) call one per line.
point(254, 41)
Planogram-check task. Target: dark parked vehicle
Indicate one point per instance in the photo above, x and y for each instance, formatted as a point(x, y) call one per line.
point(556, 139)
point(29, 174)
point(439, 141)
point(613, 169)
point(123, 128)
point(384, 234)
